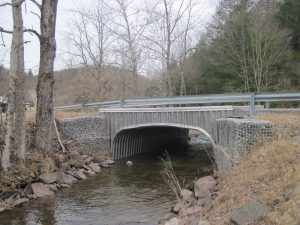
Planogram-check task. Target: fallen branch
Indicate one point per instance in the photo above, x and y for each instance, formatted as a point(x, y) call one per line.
point(58, 138)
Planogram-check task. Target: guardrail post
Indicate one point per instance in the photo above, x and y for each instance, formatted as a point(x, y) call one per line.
point(252, 104)
point(267, 106)
point(82, 108)
point(121, 103)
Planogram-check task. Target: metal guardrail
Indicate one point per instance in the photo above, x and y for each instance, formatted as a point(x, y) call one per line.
point(250, 98)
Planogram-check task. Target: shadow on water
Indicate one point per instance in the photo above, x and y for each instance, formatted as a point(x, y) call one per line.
point(120, 195)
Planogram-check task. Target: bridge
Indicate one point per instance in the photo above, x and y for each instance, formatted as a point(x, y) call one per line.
point(123, 129)
point(149, 129)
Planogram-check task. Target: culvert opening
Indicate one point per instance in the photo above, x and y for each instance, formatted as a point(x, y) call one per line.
point(157, 139)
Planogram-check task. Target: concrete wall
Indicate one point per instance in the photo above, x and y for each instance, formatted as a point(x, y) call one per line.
point(236, 137)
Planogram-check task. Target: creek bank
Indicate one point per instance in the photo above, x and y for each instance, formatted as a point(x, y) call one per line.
point(70, 169)
point(194, 205)
point(266, 179)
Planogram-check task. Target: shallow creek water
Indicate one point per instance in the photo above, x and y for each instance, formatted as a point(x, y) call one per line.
point(120, 195)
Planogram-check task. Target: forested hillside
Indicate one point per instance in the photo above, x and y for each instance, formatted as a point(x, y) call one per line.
point(250, 46)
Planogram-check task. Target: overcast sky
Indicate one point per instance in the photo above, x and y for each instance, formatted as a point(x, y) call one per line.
point(63, 16)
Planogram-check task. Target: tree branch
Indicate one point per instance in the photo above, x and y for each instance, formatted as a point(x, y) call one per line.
point(32, 31)
point(5, 4)
point(2, 30)
point(37, 4)
point(13, 5)
point(36, 14)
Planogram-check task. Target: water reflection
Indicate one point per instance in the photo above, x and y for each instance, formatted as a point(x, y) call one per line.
point(121, 195)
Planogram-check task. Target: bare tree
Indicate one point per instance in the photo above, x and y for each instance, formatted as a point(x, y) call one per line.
point(44, 111)
point(20, 120)
point(185, 47)
point(164, 33)
point(129, 29)
point(15, 85)
point(89, 42)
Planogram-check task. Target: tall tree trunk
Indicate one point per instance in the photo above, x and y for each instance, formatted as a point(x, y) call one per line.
point(20, 123)
point(44, 113)
point(16, 70)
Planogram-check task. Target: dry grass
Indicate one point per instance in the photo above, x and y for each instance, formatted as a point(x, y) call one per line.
point(169, 176)
point(265, 174)
point(20, 172)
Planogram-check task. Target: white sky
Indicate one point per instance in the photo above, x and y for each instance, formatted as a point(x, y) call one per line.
point(63, 16)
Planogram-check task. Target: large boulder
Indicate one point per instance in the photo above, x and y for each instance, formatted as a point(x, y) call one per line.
point(194, 210)
point(176, 209)
point(80, 175)
point(20, 201)
point(186, 194)
point(64, 178)
point(74, 155)
point(94, 167)
point(41, 190)
point(173, 221)
point(204, 187)
point(167, 217)
point(76, 163)
point(248, 213)
point(48, 178)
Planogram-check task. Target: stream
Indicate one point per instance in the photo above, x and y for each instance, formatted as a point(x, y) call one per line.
point(120, 195)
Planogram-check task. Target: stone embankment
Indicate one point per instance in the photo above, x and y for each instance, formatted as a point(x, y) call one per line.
point(72, 168)
point(193, 203)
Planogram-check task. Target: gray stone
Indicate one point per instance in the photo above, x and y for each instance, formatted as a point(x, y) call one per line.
point(20, 201)
point(80, 175)
point(89, 173)
point(191, 220)
point(177, 208)
point(83, 157)
point(64, 178)
point(2, 209)
point(94, 167)
point(76, 163)
point(173, 221)
point(194, 210)
point(205, 202)
point(204, 187)
point(203, 222)
point(74, 155)
point(41, 190)
point(64, 166)
point(52, 187)
point(168, 216)
point(248, 213)
point(32, 196)
point(88, 160)
point(186, 194)
point(65, 185)
point(104, 164)
point(60, 157)
point(109, 161)
point(48, 178)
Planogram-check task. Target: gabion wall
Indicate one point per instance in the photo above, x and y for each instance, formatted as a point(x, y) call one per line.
point(236, 137)
point(89, 133)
